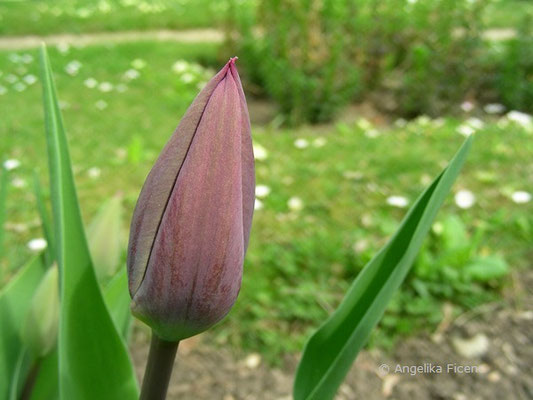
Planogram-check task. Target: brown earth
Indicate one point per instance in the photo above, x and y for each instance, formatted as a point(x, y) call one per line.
point(496, 340)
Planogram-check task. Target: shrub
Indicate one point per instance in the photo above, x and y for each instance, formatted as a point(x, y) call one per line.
point(434, 54)
point(298, 52)
point(514, 75)
point(419, 57)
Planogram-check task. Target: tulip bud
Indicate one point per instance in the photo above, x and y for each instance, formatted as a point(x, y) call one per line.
point(40, 329)
point(192, 221)
point(104, 236)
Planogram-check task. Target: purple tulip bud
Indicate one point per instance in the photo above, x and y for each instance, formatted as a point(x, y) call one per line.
point(192, 221)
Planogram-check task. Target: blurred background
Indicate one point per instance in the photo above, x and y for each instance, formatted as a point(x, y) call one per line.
point(356, 105)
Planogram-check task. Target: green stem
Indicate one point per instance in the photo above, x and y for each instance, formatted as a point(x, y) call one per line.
point(30, 380)
point(158, 369)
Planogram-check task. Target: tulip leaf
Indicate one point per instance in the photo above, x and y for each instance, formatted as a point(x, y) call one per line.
point(47, 383)
point(14, 305)
point(118, 300)
point(104, 235)
point(93, 358)
point(49, 254)
point(331, 350)
point(3, 196)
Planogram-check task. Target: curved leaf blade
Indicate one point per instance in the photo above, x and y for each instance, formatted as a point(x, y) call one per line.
point(14, 305)
point(117, 298)
point(93, 359)
point(331, 350)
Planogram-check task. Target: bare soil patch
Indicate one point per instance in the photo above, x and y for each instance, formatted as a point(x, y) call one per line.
point(496, 340)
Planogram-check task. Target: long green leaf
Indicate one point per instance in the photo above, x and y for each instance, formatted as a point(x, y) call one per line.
point(14, 303)
point(45, 221)
point(93, 359)
point(331, 350)
point(3, 196)
point(47, 383)
point(117, 298)
point(104, 235)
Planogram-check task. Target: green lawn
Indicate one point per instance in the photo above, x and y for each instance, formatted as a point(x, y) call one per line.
point(78, 16)
point(21, 17)
point(326, 212)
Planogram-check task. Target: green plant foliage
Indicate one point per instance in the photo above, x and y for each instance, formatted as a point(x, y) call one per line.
point(331, 350)
point(3, 196)
point(93, 359)
point(514, 73)
point(46, 224)
point(303, 55)
point(104, 235)
point(47, 382)
point(117, 298)
point(14, 305)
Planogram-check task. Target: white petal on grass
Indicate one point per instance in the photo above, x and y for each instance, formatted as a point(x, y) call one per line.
point(521, 197)
point(30, 79)
point(423, 120)
point(187, 78)
point(437, 228)
point(301, 143)
point(14, 58)
point(397, 201)
point(467, 106)
point(361, 245)
point(26, 58)
point(131, 74)
point(400, 123)
point(73, 67)
point(138, 63)
point(520, 118)
point(91, 83)
point(475, 123)
point(372, 133)
point(94, 172)
point(19, 183)
point(63, 48)
point(180, 66)
point(295, 204)
point(465, 130)
point(465, 199)
point(19, 87)
point(3, 90)
point(101, 105)
point(319, 142)
point(258, 205)
point(38, 244)
point(260, 153)
point(494, 108)
point(262, 191)
point(11, 164)
point(11, 78)
point(105, 87)
point(364, 124)
point(355, 175)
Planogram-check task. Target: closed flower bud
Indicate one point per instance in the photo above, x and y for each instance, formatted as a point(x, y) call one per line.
point(192, 221)
point(40, 329)
point(105, 238)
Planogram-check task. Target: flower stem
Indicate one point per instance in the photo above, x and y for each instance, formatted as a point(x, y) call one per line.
point(158, 369)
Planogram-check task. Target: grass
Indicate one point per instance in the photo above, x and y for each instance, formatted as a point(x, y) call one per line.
point(23, 17)
point(80, 16)
point(301, 260)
